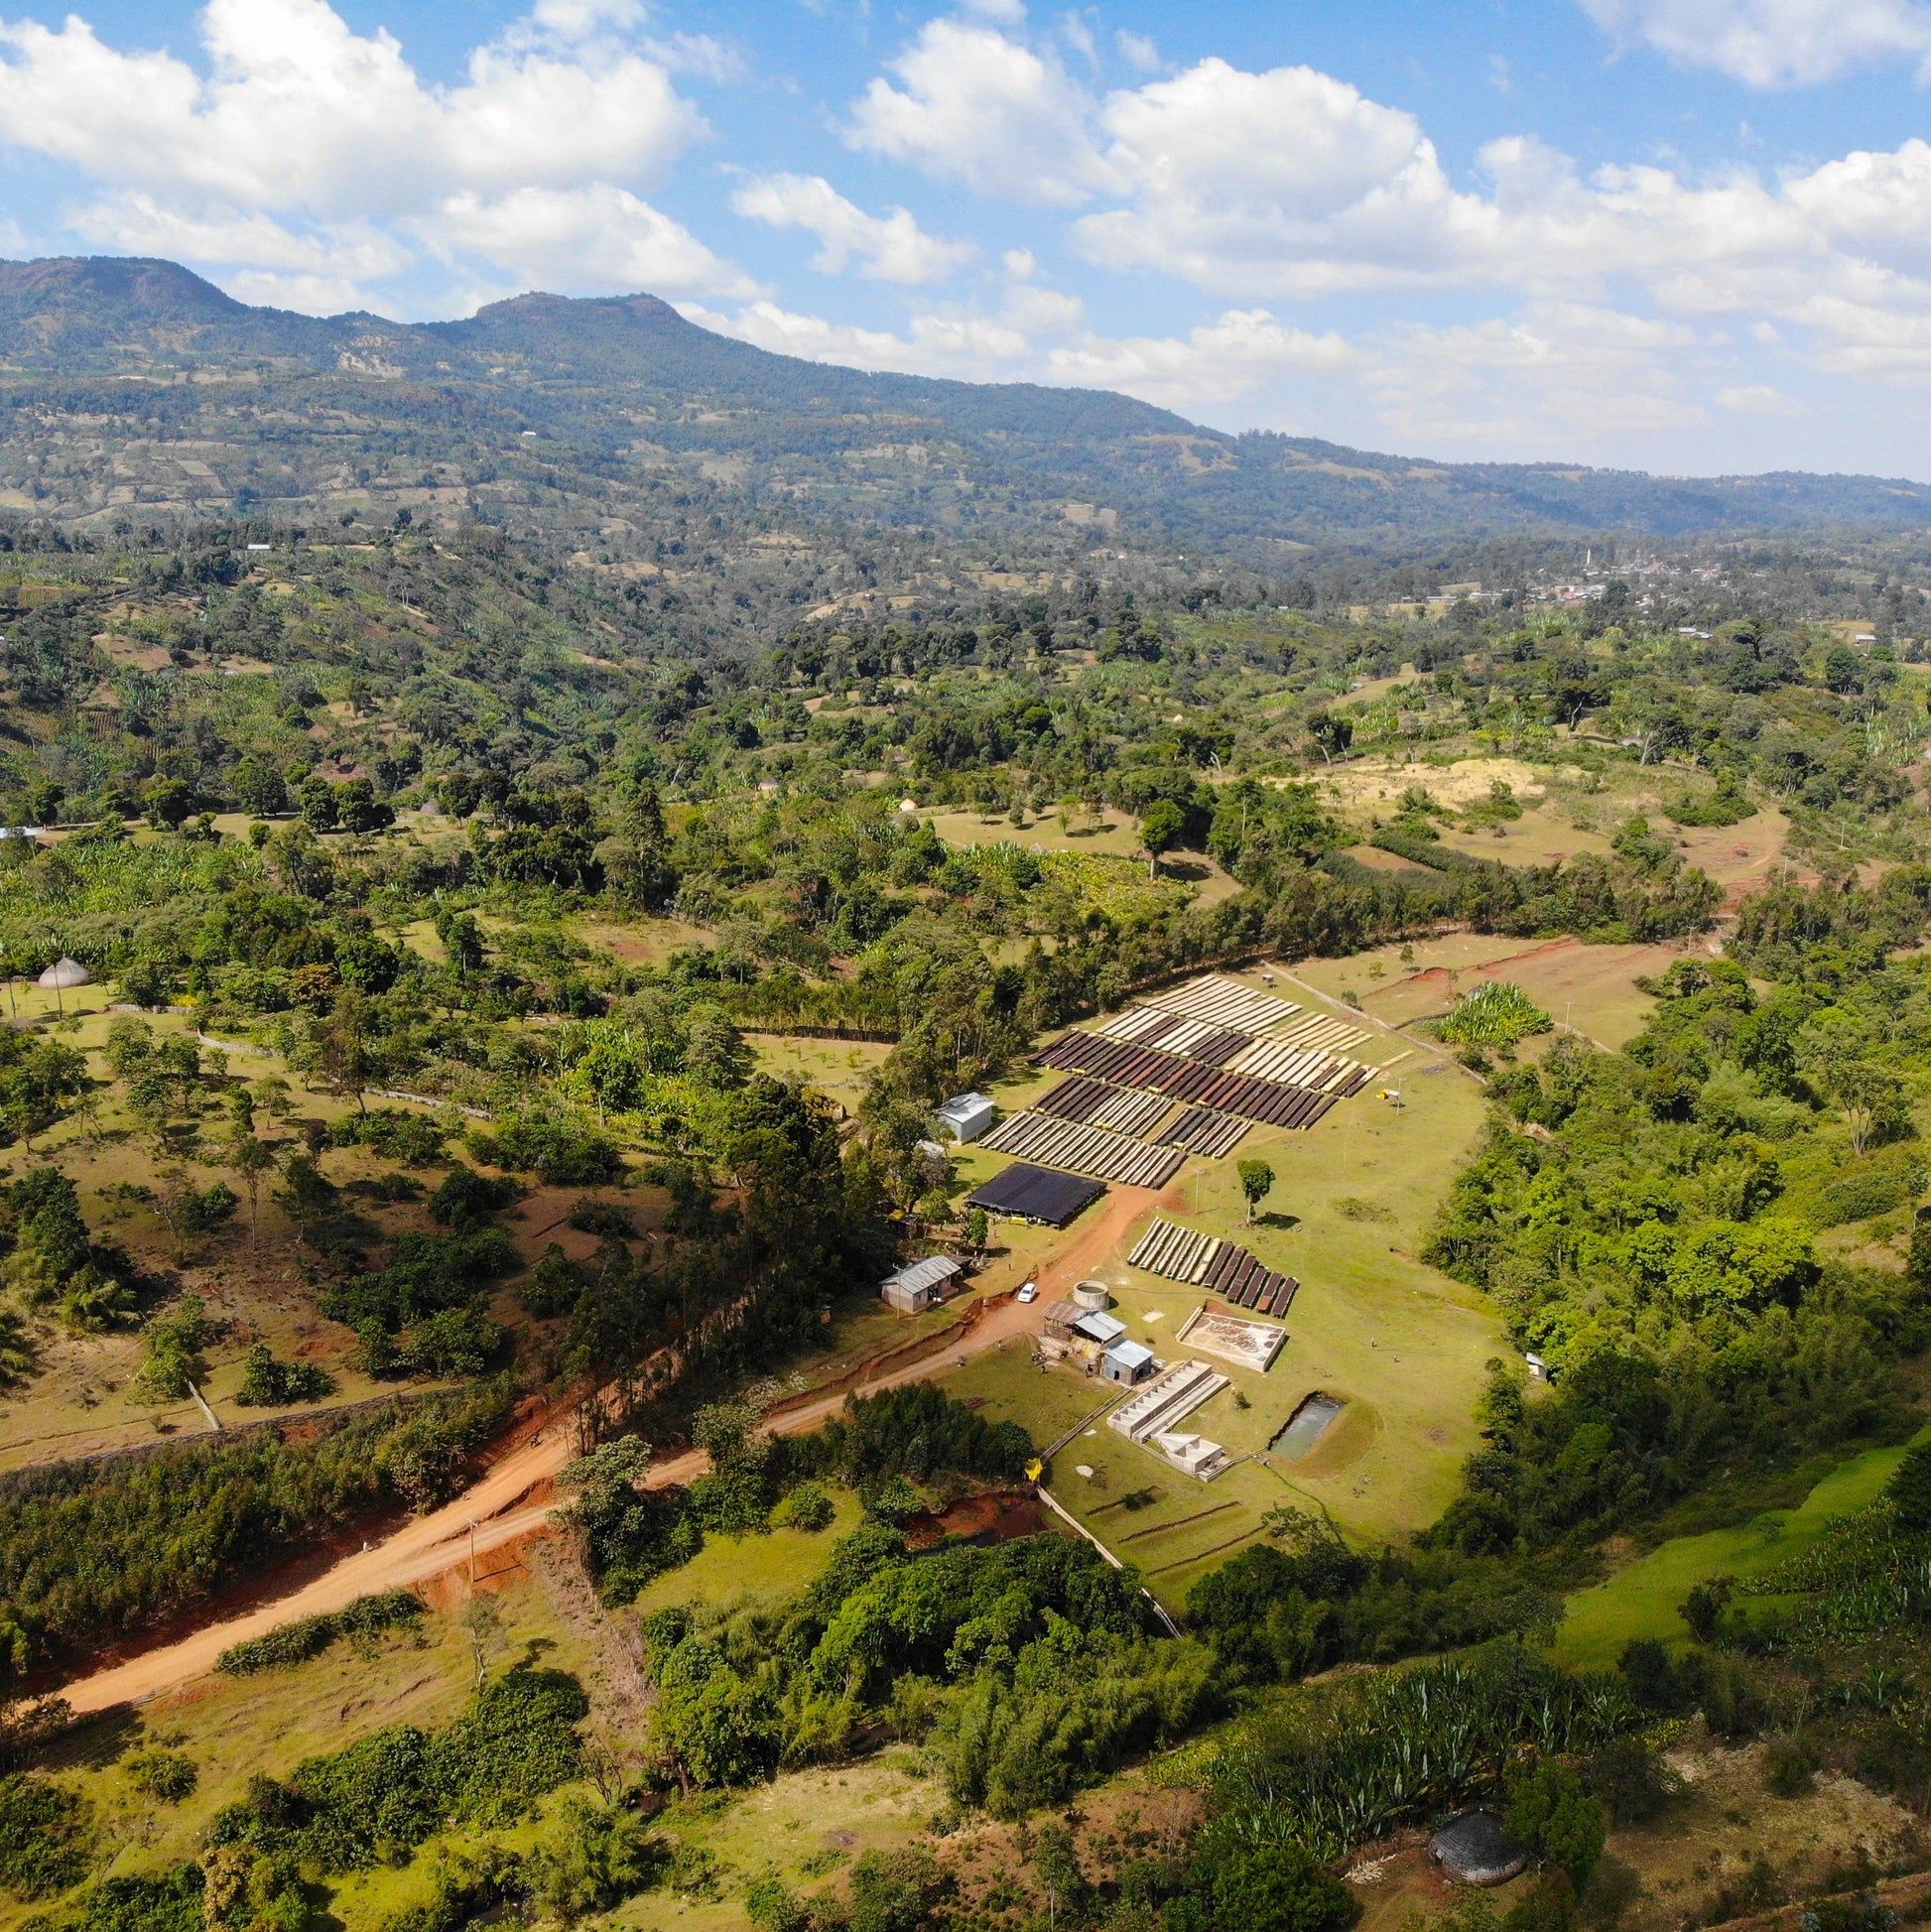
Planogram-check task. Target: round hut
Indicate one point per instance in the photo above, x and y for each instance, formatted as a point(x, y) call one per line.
point(1474, 1850)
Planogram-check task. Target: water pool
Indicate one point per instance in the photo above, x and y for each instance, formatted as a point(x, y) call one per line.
point(1305, 1425)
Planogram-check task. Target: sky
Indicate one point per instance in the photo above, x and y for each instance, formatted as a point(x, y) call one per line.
point(1682, 235)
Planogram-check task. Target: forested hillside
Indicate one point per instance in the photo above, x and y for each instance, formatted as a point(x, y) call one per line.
point(133, 387)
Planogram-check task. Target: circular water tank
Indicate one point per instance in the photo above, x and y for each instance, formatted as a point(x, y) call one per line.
point(64, 974)
point(1092, 1294)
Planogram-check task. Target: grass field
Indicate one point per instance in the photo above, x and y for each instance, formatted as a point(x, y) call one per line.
point(839, 1068)
point(1590, 988)
point(1641, 1601)
point(777, 1564)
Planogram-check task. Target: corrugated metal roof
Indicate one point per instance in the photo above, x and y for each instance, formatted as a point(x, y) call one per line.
point(928, 1273)
point(1133, 1354)
point(1097, 1326)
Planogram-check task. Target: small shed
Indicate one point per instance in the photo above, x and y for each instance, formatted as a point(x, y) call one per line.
point(64, 974)
point(1083, 1333)
point(1127, 1361)
point(1475, 1850)
point(965, 1116)
point(919, 1285)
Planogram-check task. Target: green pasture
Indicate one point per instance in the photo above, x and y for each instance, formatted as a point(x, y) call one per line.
point(771, 1564)
point(1641, 1601)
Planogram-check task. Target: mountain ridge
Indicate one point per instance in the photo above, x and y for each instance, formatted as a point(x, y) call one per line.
point(624, 386)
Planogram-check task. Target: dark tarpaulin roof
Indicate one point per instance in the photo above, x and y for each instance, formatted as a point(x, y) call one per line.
point(1036, 1194)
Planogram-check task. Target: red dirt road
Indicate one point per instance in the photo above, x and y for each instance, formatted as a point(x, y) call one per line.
point(497, 1508)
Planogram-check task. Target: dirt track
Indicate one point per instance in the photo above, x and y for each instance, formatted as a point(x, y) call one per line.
point(499, 1510)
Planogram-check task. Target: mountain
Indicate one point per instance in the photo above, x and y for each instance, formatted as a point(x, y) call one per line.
point(132, 387)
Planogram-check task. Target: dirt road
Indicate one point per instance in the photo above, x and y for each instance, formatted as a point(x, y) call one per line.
point(498, 1509)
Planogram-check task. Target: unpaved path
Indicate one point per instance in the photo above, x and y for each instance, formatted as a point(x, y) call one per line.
point(498, 1508)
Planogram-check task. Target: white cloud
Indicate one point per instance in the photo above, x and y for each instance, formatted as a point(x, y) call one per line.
point(305, 148)
point(891, 248)
point(977, 106)
point(597, 237)
point(1560, 374)
point(1758, 399)
point(1776, 43)
point(1137, 50)
point(578, 19)
point(971, 347)
point(1231, 359)
point(1288, 183)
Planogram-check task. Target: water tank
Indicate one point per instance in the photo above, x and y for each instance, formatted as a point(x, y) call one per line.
point(1092, 1294)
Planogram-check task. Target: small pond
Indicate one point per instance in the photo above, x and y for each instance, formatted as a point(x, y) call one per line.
point(1305, 1425)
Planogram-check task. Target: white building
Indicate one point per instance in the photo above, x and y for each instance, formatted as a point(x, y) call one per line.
point(966, 1116)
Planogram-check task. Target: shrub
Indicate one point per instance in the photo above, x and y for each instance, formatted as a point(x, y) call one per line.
point(608, 1219)
point(1550, 1811)
point(1496, 1014)
point(564, 1152)
point(270, 1385)
point(386, 1794)
point(806, 1507)
point(45, 1836)
point(172, 1901)
point(1789, 1765)
point(1629, 1780)
point(467, 1199)
point(310, 1636)
point(165, 1774)
point(595, 1859)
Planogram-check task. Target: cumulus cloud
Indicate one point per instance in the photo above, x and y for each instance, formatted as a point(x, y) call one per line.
point(552, 237)
point(300, 122)
point(1774, 42)
point(974, 105)
point(1562, 372)
point(1228, 360)
point(1040, 336)
point(1289, 182)
point(971, 347)
point(891, 248)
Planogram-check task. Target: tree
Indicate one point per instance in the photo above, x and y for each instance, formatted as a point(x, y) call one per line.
point(259, 789)
point(306, 1194)
point(250, 1159)
point(320, 809)
point(1162, 829)
point(1284, 1889)
point(1909, 1491)
point(1256, 1183)
point(1871, 1097)
point(1551, 1813)
point(1332, 735)
point(482, 1626)
point(169, 801)
point(347, 1051)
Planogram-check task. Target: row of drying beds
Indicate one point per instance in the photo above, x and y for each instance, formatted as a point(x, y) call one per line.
point(1131, 1112)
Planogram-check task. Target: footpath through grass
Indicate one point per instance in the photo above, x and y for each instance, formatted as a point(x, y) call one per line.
point(1642, 1600)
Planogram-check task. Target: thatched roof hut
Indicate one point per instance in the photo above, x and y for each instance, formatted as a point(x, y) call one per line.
point(64, 974)
point(1475, 1850)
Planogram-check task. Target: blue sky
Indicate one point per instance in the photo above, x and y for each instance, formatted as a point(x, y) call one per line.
point(1689, 235)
